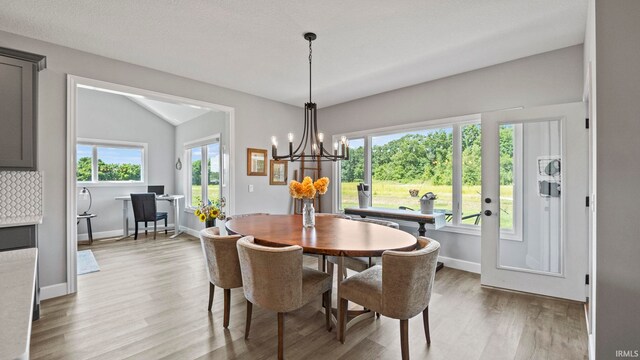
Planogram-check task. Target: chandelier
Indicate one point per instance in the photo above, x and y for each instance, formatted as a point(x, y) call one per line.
point(311, 146)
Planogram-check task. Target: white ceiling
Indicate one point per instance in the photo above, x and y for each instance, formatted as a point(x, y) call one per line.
point(363, 47)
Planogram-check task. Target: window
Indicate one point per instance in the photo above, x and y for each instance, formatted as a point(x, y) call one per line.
point(444, 159)
point(417, 160)
point(204, 171)
point(352, 173)
point(103, 161)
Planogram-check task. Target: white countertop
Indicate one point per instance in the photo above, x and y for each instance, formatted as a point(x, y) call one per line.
point(20, 221)
point(17, 284)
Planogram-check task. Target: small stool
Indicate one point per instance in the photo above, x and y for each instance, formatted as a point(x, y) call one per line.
point(88, 217)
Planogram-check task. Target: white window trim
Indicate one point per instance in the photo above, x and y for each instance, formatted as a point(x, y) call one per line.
point(95, 143)
point(456, 123)
point(202, 143)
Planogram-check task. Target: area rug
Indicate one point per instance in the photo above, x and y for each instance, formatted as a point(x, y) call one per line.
point(87, 262)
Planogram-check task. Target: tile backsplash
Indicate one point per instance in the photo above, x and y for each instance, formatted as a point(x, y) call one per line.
point(20, 194)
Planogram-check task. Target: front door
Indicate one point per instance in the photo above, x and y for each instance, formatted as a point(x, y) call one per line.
point(534, 187)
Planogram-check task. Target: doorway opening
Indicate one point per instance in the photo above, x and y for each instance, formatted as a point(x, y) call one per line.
point(124, 140)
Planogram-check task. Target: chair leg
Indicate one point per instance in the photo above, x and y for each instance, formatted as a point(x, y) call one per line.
point(248, 323)
point(425, 320)
point(145, 228)
point(155, 228)
point(342, 322)
point(166, 223)
point(211, 290)
point(327, 309)
point(404, 338)
point(227, 305)
point(280, 336)
point(135, 236)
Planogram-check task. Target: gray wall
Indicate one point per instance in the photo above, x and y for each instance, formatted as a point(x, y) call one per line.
point(544, 79)
point(203, 126)
point(106, 116)
point(256, 120)
point(618, 151)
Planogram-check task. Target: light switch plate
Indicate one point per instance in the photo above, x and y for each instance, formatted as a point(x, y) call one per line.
point(250, 188)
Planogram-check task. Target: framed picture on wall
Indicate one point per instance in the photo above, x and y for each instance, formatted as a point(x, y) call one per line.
point(278, 174)
point(256, 162)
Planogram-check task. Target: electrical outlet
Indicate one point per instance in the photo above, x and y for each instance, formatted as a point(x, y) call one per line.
point(250, 188)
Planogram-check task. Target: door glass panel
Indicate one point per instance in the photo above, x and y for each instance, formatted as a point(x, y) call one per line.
point(530, 196)
point(213, 162)
point(196, 176)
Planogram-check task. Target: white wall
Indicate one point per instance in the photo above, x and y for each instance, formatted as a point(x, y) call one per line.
point(256, 120)
point(106, 116)
point(549, 78)
point(617, 35)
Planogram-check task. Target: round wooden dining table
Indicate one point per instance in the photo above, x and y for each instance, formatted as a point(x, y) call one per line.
point(331, 236)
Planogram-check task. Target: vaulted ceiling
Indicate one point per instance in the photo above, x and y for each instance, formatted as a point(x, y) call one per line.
point(363, 47)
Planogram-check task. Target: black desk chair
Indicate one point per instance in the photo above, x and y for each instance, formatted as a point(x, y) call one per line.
point(144, 209)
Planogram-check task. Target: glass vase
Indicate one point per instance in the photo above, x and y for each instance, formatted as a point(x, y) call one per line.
point(308, 214)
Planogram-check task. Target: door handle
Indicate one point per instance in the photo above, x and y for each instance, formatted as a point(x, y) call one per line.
point(488, 212)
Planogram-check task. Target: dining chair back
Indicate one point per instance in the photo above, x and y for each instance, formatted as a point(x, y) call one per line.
point(223, 265)
point(145, 210)
point(271, 277)
point(407, 279)
point(238, 216)
point(390, 224)
point(274, 278)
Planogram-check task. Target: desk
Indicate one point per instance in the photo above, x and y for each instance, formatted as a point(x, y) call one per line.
point(173, 199)
point(436, 219)
point(331, 236)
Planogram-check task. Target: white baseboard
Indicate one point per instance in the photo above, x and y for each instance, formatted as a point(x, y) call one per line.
point(190, 231)
point(460, 264)
point(52, 291)
point(118, 232)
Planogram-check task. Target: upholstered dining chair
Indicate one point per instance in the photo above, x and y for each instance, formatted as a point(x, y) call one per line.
point(145, 209)
point(399, 289)
point(361, 263)
point(335, 215)
point(221, 256)
point(238, 216)
point(274, 279)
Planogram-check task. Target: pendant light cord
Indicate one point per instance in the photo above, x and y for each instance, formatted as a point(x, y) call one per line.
point(309, 70)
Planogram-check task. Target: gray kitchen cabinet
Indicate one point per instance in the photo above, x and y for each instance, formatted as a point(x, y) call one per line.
point(18, 108)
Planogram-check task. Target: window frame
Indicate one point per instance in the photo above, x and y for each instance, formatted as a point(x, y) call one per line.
point(456, 124)
point(201, 143)
point(95, 144)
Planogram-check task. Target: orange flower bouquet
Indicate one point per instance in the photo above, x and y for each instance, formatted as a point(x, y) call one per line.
point(307, 190)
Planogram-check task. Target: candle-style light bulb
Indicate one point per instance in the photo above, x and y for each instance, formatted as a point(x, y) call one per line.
point(321, 137)
point(290, 135)
point(274, 141)
point(335, 145)
point(314, 147)
point(343, 139)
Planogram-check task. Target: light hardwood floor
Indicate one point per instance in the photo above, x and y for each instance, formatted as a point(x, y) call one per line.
point(149, 301)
